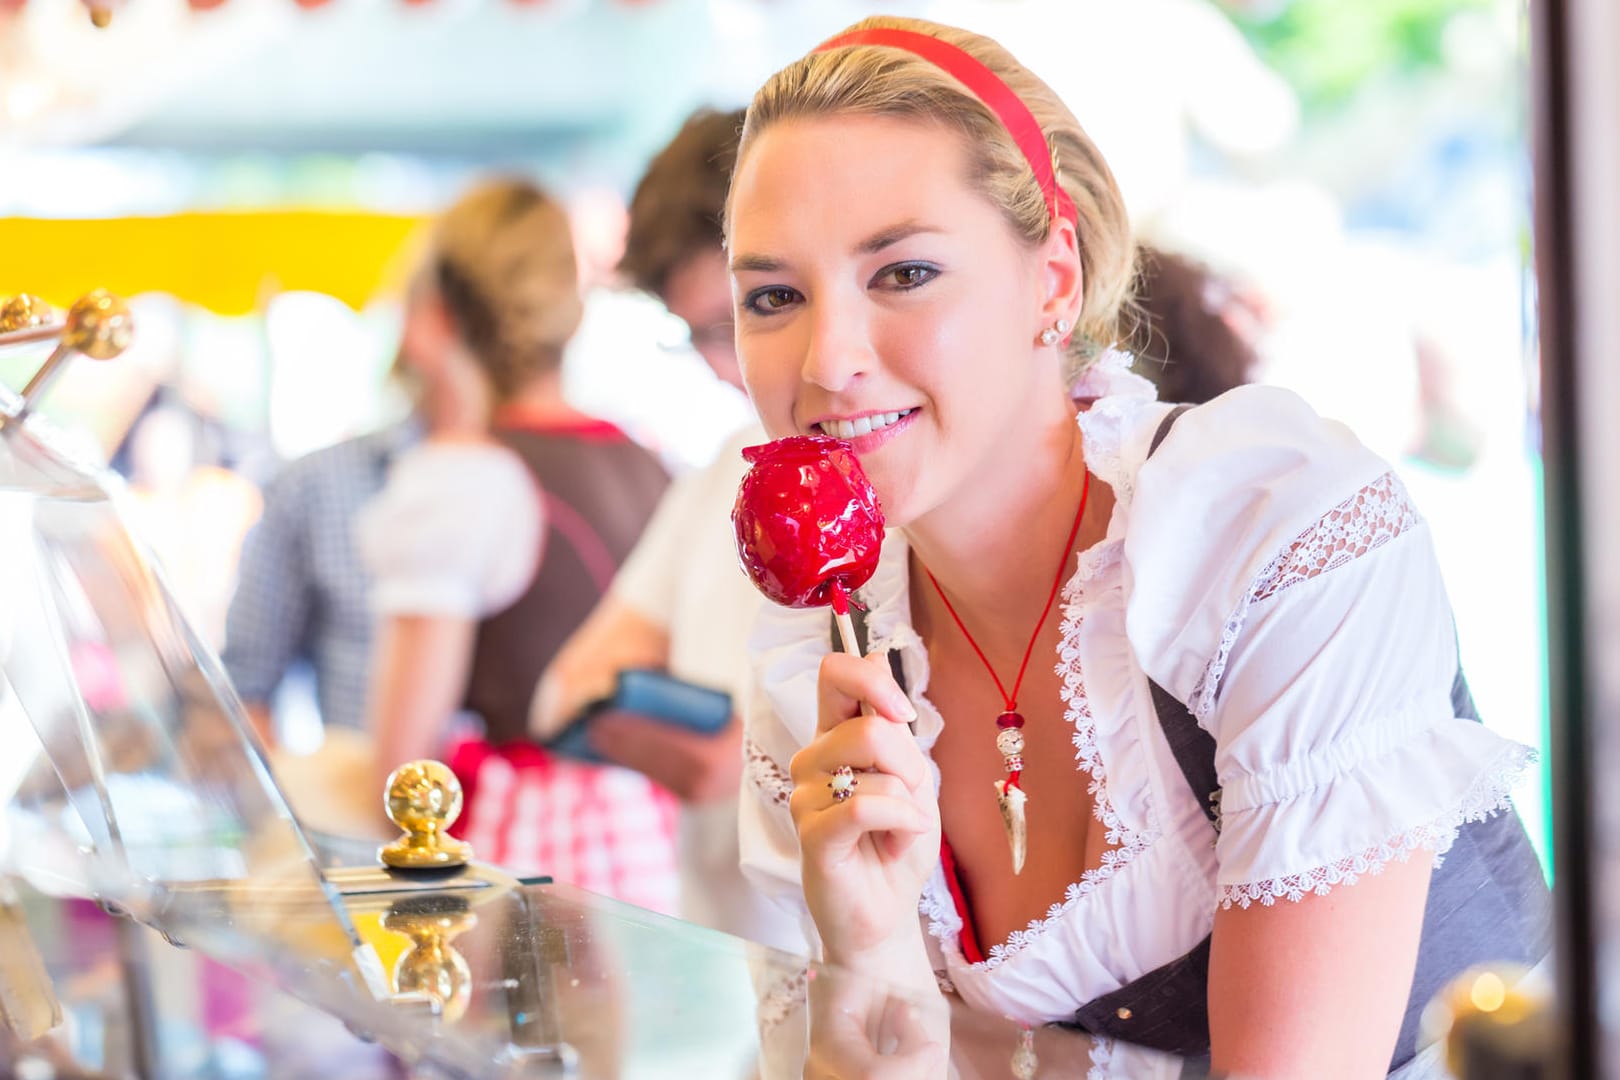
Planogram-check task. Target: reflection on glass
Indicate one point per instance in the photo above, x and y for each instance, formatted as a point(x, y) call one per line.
point(148, 783)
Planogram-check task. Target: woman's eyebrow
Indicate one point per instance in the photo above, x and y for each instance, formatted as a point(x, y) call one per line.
point(760, 263)
point(893, 234)
point(885, 237)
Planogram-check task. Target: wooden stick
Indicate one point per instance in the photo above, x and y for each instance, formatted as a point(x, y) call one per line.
point(846, 631)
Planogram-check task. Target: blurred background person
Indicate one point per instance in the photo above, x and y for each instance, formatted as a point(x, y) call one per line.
point(1195, 331)
point(301, 591)
point(191, 508)
point(680, 604)
point(492, 541)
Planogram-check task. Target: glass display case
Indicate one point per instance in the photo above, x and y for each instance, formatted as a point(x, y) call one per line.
point(163, 913)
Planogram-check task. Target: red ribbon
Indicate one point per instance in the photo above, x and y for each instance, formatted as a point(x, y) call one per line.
point(987, 86)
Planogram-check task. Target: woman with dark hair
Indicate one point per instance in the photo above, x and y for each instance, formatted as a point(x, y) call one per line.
point(1194, 332)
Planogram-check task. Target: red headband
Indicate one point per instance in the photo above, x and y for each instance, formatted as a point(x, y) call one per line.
point(987, 86)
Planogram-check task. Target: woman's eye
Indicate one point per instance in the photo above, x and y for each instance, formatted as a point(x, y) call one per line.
point(908, 276)
point(773, 298)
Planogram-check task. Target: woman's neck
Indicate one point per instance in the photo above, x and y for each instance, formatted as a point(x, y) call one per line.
point(541, 400)
point(994, 548)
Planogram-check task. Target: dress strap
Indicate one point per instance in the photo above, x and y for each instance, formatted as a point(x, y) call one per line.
point(1193, 747)
point(1164, 427)
point(1194, 750)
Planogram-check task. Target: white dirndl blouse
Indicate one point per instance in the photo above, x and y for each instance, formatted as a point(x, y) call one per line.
point(1272, 573)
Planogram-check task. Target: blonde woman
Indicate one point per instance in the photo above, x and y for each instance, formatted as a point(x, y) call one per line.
point(494, 539)
point(1195, 671)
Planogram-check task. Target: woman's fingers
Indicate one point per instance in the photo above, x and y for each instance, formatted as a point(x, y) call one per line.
point(849, 686)
point(817, 792)
point(863, 743)
point(835, 831)
point(830, 828)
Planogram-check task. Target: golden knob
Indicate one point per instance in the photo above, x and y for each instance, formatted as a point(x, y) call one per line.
point(432, 966)
point(424, 799)
point(23, 312)
point(1480, 1002)
point(99, 325)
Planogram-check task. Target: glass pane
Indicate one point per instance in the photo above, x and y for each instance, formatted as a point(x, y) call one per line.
point(157, 783)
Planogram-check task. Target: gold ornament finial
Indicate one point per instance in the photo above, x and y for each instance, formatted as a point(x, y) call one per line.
point(424, 799)
point(1475, 1002)
point(23, 312)
point(432, 966)
point(99, 325)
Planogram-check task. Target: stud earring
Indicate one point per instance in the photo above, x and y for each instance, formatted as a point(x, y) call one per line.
point(1049, 336)
point(1062, 327)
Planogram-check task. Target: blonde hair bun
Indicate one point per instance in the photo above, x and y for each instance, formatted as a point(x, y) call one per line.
point(503, 261)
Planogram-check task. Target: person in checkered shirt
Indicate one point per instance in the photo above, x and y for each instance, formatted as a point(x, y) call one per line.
point(301, 592)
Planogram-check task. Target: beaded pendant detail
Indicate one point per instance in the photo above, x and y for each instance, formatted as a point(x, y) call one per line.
point(1010, 797)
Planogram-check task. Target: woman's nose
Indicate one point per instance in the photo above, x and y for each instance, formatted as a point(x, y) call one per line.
point(839, 349)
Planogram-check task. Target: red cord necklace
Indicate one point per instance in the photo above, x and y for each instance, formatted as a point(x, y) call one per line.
point(1010, 797)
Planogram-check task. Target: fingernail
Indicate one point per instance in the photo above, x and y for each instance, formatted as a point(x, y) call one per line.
point(908, 711)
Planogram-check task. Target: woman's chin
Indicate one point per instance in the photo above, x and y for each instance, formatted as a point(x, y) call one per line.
point(897, 497)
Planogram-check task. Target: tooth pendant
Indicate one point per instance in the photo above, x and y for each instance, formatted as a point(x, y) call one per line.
point(1011, 802)
point(1010, 797)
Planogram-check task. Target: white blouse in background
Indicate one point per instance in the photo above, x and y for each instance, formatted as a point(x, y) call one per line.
point(1269, 571)
point(457, 530)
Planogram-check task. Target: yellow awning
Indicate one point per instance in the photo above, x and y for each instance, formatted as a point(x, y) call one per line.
point(226, 261)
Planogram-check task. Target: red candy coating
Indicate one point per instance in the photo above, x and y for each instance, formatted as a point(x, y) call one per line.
point(808, 522)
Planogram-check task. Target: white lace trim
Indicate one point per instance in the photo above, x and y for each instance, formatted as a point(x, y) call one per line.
point(1102, 556)
point(1102, 1057)
point(782, 999)
point(943, 921)
point(765, 774)
point(1102, 427)
point(1364, 522)
point(936, 906)
point(1111, 375)
point(1115, 393)
point(1489, 794)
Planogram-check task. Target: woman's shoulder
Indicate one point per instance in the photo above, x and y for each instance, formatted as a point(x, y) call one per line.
point(447, 472)
point(456, 527)
point(1257, 459)
point(1240, 488)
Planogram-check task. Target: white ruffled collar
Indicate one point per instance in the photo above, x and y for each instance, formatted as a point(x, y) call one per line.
point(1114, 393)
point(1116, 397)
point(1110, 375)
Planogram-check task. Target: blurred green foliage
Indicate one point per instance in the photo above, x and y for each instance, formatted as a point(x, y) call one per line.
point(1327, 49)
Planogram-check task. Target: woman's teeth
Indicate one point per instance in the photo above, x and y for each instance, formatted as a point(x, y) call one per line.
point(850, 429)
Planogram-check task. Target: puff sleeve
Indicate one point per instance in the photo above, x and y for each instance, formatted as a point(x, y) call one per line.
point(456, 531)
point(1284, 586)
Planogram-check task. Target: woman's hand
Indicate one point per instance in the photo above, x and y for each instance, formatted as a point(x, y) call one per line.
point(857, 1028)
point(865, 858)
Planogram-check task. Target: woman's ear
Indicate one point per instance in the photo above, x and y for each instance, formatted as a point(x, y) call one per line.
point(1062, 277)
point(429, 333)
